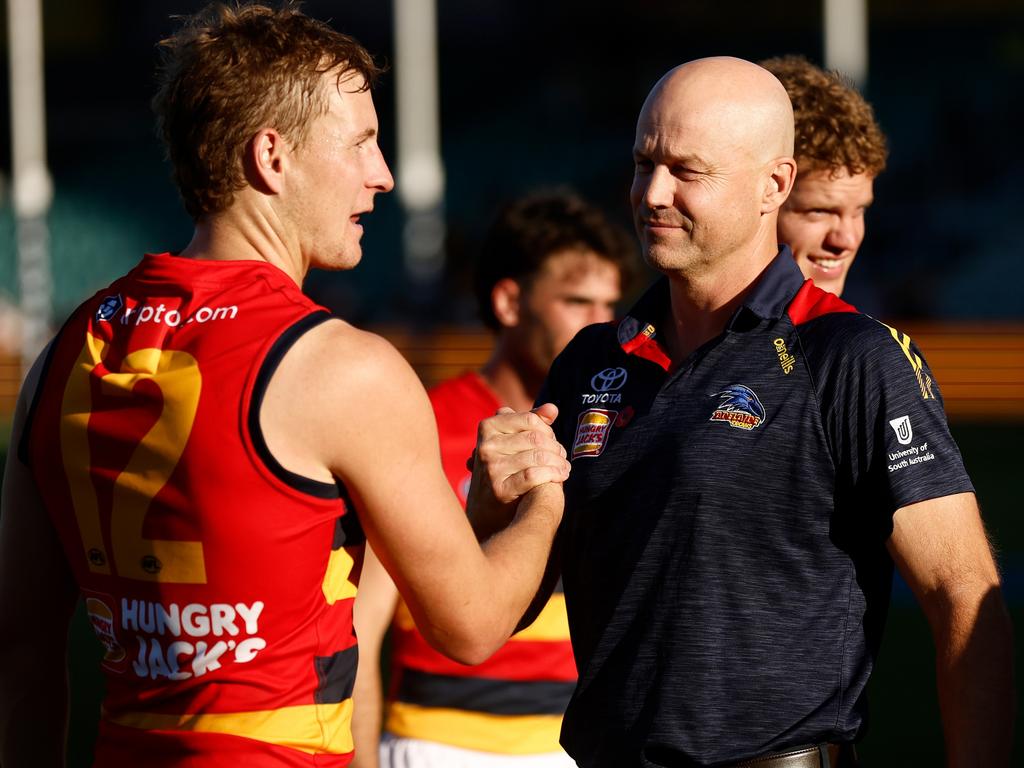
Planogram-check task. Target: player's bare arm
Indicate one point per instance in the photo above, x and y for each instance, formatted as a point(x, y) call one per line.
point(498, 486)
point(941, 549)
point(37, 596)
point(345, 403)
point(372, 612)
point(491, 494)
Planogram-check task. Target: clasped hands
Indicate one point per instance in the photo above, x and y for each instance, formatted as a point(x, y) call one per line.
point(515, 454)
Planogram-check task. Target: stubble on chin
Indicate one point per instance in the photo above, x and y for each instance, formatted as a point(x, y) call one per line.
point(665, 251)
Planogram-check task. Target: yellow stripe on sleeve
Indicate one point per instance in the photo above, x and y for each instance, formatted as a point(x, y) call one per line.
point(924, 381)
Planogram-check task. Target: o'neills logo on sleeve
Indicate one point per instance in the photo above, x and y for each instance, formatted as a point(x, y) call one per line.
point(786, 360)
point(592, 432)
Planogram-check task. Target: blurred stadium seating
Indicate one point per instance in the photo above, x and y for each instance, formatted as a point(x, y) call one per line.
point(979, 367)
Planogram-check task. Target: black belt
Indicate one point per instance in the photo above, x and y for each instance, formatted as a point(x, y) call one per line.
point(820, 756)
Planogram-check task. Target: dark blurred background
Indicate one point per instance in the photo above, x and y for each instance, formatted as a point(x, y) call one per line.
point(546, 93)
point(541, 93)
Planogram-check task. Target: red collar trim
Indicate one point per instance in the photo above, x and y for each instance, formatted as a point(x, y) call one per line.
point(642, 342)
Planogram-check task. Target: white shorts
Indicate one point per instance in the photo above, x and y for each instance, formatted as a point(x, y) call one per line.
point(398, 752)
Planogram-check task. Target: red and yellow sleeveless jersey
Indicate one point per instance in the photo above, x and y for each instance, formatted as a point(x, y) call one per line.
point(219, 583)
point(513, 702)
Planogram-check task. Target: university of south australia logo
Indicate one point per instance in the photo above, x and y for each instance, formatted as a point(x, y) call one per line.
point(109, 308)
point(904, 432)
point(739, 408)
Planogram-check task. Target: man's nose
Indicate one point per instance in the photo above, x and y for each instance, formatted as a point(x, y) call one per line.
point(380, 178)
point(659, 191)
point(846, 235)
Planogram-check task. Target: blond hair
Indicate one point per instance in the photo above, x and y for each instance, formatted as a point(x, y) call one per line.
point(232, 70)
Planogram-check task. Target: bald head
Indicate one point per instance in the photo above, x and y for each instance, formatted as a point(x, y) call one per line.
point(713, 163)
point(734, 105)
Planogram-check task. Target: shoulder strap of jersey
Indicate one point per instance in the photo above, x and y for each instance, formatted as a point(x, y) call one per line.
point(280, 348)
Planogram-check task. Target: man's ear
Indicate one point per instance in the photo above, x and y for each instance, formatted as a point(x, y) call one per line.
point(505, 297)
point(779, 183)
point(266, 158)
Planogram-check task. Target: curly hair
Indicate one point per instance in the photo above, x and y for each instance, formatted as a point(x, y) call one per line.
point(835, 127)
point(527, 232)
point(231, 70)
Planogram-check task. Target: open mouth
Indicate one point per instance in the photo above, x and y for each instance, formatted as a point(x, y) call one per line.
point(826, 264)
point(354, 218)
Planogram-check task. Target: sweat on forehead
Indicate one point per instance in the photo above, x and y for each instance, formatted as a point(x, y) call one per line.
point(736, 101)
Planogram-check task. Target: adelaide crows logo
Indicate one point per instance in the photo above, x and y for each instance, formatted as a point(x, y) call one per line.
point(739, 408)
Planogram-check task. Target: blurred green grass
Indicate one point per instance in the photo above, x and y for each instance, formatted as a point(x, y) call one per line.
point(904, 727)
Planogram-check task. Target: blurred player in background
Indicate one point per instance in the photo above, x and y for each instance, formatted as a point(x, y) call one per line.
point(839, 150)
point(192, 451)
point(550, 265)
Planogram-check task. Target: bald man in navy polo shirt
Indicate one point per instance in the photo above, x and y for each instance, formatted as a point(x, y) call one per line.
point(751, 457)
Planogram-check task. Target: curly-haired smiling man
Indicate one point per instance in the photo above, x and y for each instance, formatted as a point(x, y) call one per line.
point(839, 151)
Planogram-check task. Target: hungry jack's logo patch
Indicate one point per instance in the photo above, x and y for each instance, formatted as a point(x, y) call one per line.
point(104, 624)
point(592, 429)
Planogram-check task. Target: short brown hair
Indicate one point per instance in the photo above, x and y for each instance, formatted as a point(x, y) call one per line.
point(233, 69)
point(835, 127)
point(533, 228)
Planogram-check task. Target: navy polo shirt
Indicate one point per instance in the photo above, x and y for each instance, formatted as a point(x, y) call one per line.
point(723, 546)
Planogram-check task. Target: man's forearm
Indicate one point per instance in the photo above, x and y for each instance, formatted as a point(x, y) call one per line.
point(366, 715)
point(492, 600)
point(974, 666)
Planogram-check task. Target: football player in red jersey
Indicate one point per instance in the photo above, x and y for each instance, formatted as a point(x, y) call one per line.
point(550, 265)
point(192, 449)
point(839, 150)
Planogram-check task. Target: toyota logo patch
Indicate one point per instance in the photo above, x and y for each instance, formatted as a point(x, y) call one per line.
point(609, 379)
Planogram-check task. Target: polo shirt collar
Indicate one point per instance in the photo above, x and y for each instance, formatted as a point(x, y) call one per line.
point(768, 299)
point(774, 289)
